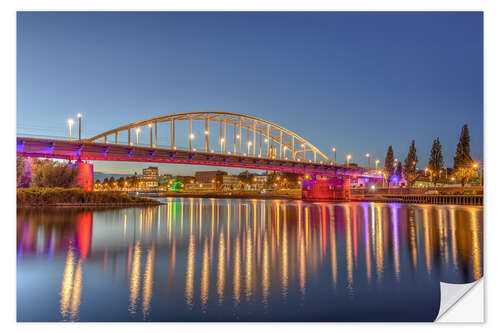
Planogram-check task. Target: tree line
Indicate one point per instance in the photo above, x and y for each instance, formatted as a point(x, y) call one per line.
point(33, 172)
point(464, 168)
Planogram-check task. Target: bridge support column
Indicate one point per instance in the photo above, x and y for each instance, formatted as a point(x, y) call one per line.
point(326, 189)
point(85, 175)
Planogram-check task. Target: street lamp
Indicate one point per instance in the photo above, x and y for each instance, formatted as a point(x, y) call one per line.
point(221, 143)
point(79, 126)
point(137, 130)
point(248, 147)
point(150, 134)
point(368, 157)
point(70, 123)
point(191, 137)
point(376, 164)
point(334, 155)
point(348, 157)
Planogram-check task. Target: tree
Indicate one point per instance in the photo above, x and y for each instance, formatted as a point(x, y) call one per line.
point(464, 174)
point(53, 174)
point(389, 163)
point(105, 183)
point(435, 160)
point(462, 156)
point(121, 182)
point(463, 165)
point(23, 171)
point(410, 167)
point(399, 170)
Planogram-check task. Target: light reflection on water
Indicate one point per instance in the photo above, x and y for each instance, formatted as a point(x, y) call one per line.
point(207, 259)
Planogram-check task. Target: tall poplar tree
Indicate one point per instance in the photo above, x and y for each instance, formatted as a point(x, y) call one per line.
point(463, 165)
point(435, 160)
point(410, 167)
point(462, 156)
point(389, 163)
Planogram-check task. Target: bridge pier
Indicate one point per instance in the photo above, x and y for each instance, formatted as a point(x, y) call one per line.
point(326, 189)
point(85, 175)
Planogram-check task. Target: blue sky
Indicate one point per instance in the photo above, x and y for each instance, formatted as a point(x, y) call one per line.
point(352, 80)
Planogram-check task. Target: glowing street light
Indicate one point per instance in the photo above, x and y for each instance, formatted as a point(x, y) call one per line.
point(137, 131)
point(334, 155)
point(368, 157)
point(79, 115)
point(248, 147)
point(70, 123)
point(191, 137)
point(376, 164)
point(150, 134)
point(348, 157)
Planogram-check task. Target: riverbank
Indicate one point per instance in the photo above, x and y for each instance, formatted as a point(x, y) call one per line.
point(74, 197)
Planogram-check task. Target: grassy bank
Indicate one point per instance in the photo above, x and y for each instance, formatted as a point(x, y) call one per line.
point(74, 197)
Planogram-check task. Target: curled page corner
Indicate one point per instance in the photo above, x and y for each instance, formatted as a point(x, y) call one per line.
point(451, 294)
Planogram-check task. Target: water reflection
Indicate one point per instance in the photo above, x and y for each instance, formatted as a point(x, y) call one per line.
point(251, 259)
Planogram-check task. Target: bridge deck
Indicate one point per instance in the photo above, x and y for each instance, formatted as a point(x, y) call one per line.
point(93, 151)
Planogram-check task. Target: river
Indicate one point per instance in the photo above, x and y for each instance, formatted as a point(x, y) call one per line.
point(244, 260)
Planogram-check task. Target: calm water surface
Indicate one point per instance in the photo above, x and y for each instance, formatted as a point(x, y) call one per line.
point(244, 260)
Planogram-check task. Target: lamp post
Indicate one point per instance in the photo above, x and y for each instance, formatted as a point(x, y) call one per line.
point(348, 157)
point(137, 130)
point(334, 156)
point(376, 164)
point(368, 157)
point(221, 144)
point(79, 127)
point(150, 135)
point(191, 137)
point(70, 123)
point(249, 144)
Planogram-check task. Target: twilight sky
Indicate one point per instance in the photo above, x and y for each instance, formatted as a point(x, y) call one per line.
point(356, 81)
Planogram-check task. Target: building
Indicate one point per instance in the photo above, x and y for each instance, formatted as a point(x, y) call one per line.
point(150, 177)
point(164, 179)
point(206, 177)
point(259, 181)
point(229, 182)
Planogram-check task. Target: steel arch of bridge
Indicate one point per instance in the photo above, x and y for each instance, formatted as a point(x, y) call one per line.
point(261, 135)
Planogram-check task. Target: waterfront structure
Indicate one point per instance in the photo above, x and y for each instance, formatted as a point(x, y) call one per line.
point(150, 177)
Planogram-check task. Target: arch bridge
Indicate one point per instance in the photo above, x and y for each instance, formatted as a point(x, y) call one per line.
point(202, 138)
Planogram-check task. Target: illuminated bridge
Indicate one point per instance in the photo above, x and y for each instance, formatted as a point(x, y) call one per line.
point(226, 140)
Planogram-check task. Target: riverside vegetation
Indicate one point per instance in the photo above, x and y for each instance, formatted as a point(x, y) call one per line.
point(76, 196)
